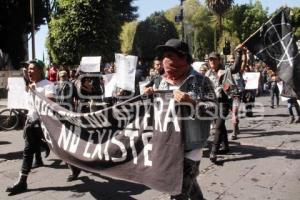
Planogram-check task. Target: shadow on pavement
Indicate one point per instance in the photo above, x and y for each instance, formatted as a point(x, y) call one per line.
point(277, 115)
point(254, 152)
point(266, 134)
point(251, 130)
point(57, 164)
point(111, 189)
point(4, 142)
point(12, 156)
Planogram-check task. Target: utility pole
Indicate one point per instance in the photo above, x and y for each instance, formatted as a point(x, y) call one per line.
point(32, 28)
point(179, 18)
point(182, 18)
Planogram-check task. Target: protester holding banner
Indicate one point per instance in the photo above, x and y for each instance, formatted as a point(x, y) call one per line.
point(236, 95)
point(33, 133)
point(274, 90)
point(224, 87)
point(189, 87)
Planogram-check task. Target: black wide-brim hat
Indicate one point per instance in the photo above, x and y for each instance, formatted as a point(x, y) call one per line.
point(174, 45)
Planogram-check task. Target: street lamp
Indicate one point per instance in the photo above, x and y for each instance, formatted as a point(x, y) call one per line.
point(179, 18)
point(32, 28)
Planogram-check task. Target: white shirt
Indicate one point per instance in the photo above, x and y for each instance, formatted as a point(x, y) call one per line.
point(43, 87)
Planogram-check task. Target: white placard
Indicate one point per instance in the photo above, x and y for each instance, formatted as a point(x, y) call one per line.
point(17, 95)
point(110, 83)
point(126, 67)
point(90, 64)
point(280, 86)
point(251, 80)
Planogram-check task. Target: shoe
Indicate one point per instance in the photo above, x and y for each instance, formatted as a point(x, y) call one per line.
point(291, 120)
point(74, 175)
point(235, 132)
point(37, 163)
point(272, 107)
point(213, 157)
point(249, 114)
point(224, 151)
point(45, 147)
point(233, 137)
point(47, 151)
point(296, 120)
point(17, 188)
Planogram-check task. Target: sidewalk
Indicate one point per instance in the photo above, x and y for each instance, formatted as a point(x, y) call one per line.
point(263, 164)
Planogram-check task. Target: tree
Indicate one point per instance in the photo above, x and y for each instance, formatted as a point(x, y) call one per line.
point(295, 21)
point(200, 32)
point(158, 29)
point(86, 28)
point(127, 36)
point(219, 7)
point(241, 21)
point(15, 23)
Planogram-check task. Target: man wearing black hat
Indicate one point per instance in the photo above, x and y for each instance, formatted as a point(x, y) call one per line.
point(189, 87)
point(33, 134)
point(221, 78)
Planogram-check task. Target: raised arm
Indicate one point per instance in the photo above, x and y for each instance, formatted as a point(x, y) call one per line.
point(238, 62)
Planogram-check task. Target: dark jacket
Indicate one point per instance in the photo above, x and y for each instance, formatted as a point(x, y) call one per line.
point(196, 130)
point(225, 82)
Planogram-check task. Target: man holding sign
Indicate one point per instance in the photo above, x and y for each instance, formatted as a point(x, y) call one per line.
point(33, 133)
point(194, 94)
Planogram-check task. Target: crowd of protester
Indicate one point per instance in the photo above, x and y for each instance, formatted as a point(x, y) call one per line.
point(223, 76)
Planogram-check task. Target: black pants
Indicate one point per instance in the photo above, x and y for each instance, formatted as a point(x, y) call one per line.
point(249, 99)
point(274, 94)
point(220, 136)
point(33, 135)
point(190, 187)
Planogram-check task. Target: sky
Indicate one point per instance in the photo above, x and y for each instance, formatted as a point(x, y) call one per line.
point(147, 7)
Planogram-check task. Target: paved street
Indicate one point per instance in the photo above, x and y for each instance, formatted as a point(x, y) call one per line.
point(264, 163)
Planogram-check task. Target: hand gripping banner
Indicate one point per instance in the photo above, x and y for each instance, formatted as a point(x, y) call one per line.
point(138, 140)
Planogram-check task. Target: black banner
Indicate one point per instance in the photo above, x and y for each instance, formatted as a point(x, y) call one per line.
point(138, 140)
point(276, 46)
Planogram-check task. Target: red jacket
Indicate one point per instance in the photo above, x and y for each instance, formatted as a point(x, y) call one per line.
point(52, 74)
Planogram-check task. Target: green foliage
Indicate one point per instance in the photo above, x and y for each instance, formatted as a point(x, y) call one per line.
point(86, 28)
point(232, 38)
point(254, 17)
point(295, 21)
point(243, 20)
point(127, 36)
point(203, 32)
point(219, 7)
point(15, 23)
point(155, 30)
